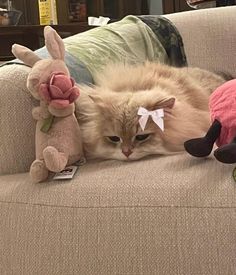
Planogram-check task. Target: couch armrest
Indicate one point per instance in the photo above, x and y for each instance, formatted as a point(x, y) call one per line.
point(17, 127)
point(209, 37)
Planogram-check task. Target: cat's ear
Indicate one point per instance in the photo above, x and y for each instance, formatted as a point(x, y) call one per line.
point(166, 104)
point(98, 101)
point(95, 98)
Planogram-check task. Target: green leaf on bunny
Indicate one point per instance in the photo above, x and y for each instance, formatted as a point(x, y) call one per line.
point(47, 124)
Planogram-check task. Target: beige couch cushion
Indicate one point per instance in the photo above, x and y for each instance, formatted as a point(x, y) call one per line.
point(17, 127)
point(165, 181)
point(166, 216)
point(209, 37)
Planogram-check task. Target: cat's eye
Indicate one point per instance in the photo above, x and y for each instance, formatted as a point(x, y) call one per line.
point(114, 139)
point(142, 137)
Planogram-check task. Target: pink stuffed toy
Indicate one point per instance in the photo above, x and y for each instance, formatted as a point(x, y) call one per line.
point(58, 138)
point(222, 105)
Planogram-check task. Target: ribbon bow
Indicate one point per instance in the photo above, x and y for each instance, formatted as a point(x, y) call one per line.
point(157, 117)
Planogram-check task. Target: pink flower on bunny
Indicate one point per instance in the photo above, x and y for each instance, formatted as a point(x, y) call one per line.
point(58, 141)
point(60, 91)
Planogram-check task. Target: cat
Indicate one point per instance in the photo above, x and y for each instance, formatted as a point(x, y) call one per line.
point(108, 111)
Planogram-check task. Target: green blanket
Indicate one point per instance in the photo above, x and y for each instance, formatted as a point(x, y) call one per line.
point(128, 41)
point(132, 40)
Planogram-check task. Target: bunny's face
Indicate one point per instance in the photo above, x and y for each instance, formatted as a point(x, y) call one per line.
point(42, 69)
point(41, 72)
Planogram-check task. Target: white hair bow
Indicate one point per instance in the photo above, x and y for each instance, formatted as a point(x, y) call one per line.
point(157, 117)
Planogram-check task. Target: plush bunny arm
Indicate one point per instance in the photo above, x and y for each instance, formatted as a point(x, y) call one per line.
point(40, 112)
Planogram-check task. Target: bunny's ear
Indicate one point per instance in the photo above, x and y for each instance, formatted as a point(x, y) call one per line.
point(25, 55)
point(54, 43)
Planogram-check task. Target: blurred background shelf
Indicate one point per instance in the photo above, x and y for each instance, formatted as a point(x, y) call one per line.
point(116, 9)
point(171, 6)
point(31, 36)
point(29, 33)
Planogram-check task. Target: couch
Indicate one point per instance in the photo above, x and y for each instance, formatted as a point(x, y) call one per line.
point(164, 215)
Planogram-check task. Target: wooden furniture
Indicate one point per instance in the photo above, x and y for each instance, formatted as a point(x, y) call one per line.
point(29, 33)
point(31, 36)
point(115, 9)
point(171, 6)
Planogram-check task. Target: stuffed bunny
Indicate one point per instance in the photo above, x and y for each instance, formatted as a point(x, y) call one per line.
point(58, 138)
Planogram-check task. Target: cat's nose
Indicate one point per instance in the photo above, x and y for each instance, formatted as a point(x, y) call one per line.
point(127, 152)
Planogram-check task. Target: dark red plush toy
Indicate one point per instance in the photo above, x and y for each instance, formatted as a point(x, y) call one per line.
point(222, 105)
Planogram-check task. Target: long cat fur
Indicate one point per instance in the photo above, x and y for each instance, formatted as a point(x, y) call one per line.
point(110, 109)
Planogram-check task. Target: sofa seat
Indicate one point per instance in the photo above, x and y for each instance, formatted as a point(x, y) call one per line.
point(146, 183)
point(175, 213)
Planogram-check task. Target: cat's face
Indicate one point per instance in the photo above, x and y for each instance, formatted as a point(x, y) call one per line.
point(113, 131)
point(123, 139)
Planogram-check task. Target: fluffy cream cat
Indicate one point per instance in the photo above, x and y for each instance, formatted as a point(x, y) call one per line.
point(108, 112)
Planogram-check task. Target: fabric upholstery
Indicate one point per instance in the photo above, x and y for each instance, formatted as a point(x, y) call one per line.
point(128, 241)
point(179, 180)
point(209, 37)
point(173, 215)
point(17, 127)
